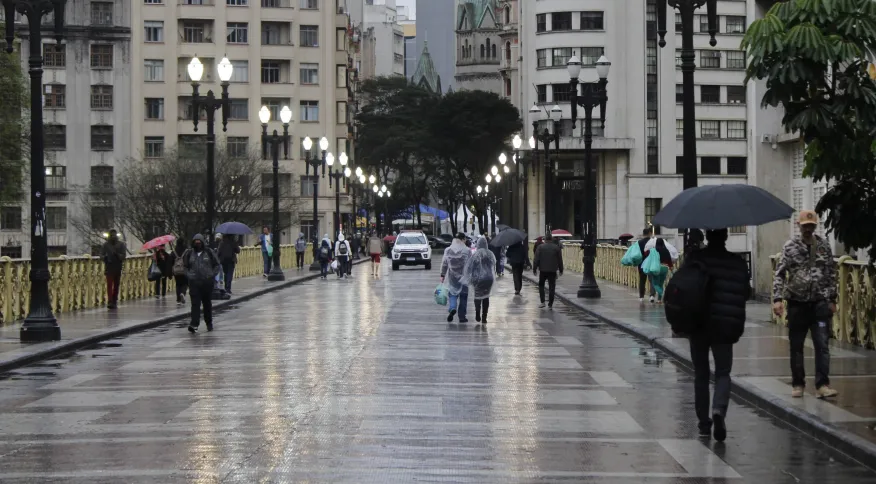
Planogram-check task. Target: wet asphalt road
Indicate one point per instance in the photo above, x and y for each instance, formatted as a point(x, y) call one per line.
point(363, 380)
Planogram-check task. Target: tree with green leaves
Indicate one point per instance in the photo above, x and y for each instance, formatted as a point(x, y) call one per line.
point(14, 125)
point(815, 56)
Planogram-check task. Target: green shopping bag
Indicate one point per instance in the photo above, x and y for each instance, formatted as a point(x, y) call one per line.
point(441, 295)
point(652, 263)
point(633, 256)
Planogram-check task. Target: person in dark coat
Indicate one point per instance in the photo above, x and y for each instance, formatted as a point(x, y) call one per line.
point(164, 261)
point(180, 280)
point(643, 278)
point(518, 256)
point(202, 267)
point(548, 260)
point(228, 250)
point(113, 254)
point(728, 292)
point(538, 242)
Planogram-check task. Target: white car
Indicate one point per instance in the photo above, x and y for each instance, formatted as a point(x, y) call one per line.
point(411, 249)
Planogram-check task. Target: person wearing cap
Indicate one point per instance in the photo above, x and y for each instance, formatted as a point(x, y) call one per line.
point(805, 280)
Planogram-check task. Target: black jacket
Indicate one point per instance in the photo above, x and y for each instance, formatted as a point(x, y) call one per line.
point(548, 258)
point(729, 290)
point(517, 254)
point(228, 250)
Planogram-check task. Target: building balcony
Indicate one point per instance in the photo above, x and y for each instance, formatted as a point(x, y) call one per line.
point(198, 9)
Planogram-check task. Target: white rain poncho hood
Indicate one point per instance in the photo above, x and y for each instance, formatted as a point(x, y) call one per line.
point(455, 258)
point(480, 270)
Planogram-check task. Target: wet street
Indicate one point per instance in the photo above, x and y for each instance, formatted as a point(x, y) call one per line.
point(363, 381)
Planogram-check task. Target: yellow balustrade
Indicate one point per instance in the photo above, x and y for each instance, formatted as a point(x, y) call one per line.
point(79, 282)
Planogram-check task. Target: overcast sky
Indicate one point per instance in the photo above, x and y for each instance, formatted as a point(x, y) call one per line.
point(411, 4)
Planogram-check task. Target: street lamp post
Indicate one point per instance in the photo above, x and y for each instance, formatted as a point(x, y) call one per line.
point(40, 323)
point(337, 175)
point(546, 138)
point(593, 94)
point(688, 66)
point(275, 140)
point(309, 162)
point(516, 142)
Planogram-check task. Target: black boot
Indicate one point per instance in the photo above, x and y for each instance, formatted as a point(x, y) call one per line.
point(485, 317)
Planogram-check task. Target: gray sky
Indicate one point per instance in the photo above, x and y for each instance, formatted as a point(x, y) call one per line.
point(411, 4)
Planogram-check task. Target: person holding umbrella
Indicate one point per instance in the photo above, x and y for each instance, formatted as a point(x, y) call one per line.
point(228, 250)
point(165, 264)
point(516, 254)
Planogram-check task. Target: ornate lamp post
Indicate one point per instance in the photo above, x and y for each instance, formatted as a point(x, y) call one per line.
point(40, 323)
point(546, 137)
point(338, 175)
point(593, 94)
point(516, 142)
point(309, 162)
point(275, 140)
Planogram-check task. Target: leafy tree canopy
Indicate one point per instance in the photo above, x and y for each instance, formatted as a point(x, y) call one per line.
point(14, 125)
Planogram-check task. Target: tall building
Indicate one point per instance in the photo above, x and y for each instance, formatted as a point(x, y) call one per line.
point(509, 46)
point(478, 46)
point(408, 21)
point(436, 24)
point(382, 37)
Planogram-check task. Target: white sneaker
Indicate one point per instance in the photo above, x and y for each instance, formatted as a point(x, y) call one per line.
point(641, 299)
point(651, 299)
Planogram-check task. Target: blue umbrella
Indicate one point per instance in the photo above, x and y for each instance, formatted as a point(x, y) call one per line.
point(233, 228)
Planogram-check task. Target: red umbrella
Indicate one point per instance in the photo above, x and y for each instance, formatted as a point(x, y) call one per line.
point(389, 238)
point(560, 233)
point(159, 242)
point(625, 236)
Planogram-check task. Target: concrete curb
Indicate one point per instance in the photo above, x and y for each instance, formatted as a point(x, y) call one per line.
point(853, 446)
point(79, 343)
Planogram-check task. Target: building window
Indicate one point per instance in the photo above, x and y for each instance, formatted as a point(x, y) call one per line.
point(562, 92)
point(592, 21)
point(102, 218)
point(101, 138)
point(101, 56)
point(736, 129)
point(341, 112)
point(652, 207)
point(102, 177)
point(541, 93)
point(153, 2)
point(704, 24)
point(239, 109)
point(710, 59)
point(153, 147)
point(679, 93)
point(284, 180)
point(710, 165)
point(56, 96)
point(270, 72)
point(153, 70)
point(153, 31)
point(10, 218)
point(483, 51)
point(493, 51)
point(194, 32)
point(710, 129)
point(308, 185)
point(541, 57)
point(309, 4)
point(313, 148)
point(561, 56)
point(102, 13)
point(240, 71)
point(653, 162)
point(274, 3)
point(507, 87)
point(541, 22)
point(274, 106)
point(55, 136)
point(561, 21)
point(56, 218)
point(739, 229)
point(155, 108)
point(236, 3)
point(508, 52)
point(735, 25)
point(237, 146)
point(679, 128)
point(56, 177)
point(736, 94)
point(309, 111)
point(237, 32)
point(735, 59)
point(590, 55)
point(101, 97)
point(679, 24)
point(54, 55)
point(271, 33)
point(679, 165)
point(737, 165)
point(309, 73)
point(309, 36)
point(710, 94)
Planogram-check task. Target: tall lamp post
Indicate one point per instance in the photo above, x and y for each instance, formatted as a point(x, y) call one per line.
point(516, 142)
point(40, 323)
point(275, 141)
point(337, 175)
point(593, 94)
point(545, 138)
point(309, 162)
point(688, 66)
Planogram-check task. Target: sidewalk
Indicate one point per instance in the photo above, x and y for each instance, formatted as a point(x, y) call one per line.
point(761, 369)
point(87, 327)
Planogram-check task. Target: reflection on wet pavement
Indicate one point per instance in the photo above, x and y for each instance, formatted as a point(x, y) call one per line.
point(363, 380)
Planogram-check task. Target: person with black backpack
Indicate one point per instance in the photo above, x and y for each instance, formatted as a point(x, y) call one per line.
point(705, 301)
point(342, 255)
point(324, 256)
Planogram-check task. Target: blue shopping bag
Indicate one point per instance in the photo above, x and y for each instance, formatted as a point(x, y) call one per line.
point(633, 256)
point(441, 295)
point(652, 264)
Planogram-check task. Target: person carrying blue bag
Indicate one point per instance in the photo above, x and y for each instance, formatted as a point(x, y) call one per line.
point(656, 266)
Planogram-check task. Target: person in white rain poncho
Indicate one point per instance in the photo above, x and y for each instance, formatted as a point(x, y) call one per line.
point(479, 273)
point(452, 267)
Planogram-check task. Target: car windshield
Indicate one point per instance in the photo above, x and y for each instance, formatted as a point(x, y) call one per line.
point(410, 239)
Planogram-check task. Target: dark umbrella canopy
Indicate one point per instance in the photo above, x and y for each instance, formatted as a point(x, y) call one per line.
point(233, 228)
point(508, 237)
point(722, 206)
point(501, 227)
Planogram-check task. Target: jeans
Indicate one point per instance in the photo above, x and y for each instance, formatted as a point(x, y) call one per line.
point(299, 259)
point(723, 354)
point(228, 272)
point(517, 272)
point(161, 287)
point(323, 267)
point(482, 306)
point(643, 279)
point(500, 268)
point(182, 284)
point(202, 292)
point(804, 318)
point(551, 279)
point(460, 303)
point(267, 260)
point(113, 280)
point(343, 260)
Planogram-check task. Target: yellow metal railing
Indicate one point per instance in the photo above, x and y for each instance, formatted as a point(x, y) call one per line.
point(79, 282)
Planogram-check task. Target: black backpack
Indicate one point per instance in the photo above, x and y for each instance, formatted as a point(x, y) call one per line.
point(342, 248)
point(686, 298)
point(323, 253)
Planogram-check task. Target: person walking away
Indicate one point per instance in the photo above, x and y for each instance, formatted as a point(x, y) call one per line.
point(374, 248)
point(806, 280)
point(165, 265)
point(324, 255)
point(202, 266)
point(518, 258)
point(728, 290)
point(497, 254)
point(113, 254)
point(643, 278)
point(478, 274)
point(300, 248)
point(265, 242)
point(342, 255)
point(549, 261)
point(355, 244)
point(452, 267)
point(538, 242)
point(228, 250)
point(658, 281)
point(179, 271)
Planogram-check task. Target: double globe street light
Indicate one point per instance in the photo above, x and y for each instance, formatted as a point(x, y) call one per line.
point(342, 173)
point(275, 141)
point(545, 138)
point(309, 162)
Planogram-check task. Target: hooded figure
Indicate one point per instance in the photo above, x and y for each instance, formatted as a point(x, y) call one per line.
point(342, 255)
point(452, 268)
point(479, 274)
point(323, 256)
point(300, 248)
point(202, 266)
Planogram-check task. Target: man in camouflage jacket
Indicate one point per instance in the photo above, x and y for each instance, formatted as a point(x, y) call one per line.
point(806, 280)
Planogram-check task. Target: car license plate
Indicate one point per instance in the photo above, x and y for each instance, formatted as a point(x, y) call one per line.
point(411, 258)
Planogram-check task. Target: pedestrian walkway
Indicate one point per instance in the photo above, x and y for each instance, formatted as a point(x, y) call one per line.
point(84, 327)
point(761, 367)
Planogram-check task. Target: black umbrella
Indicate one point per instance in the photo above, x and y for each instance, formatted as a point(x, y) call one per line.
point(233, 228)
point(501, 227)
point(722, 206)
point(508, 237)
